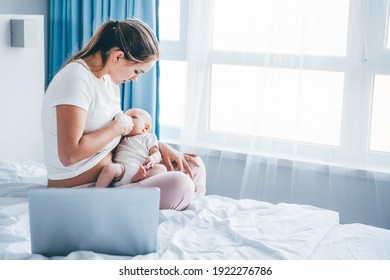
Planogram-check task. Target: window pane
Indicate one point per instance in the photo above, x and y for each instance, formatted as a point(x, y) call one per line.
point(314, 27)
point(173, 92)
point(169, 20)
point(388, 33)
point(380, 128)
point(278, 103)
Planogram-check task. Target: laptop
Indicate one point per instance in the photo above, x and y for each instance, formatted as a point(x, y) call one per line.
point(107, 221)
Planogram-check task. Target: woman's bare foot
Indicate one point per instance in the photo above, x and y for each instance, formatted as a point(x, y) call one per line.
point(140, 175)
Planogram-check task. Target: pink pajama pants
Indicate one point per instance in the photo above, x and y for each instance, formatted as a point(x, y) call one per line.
point(176, 188)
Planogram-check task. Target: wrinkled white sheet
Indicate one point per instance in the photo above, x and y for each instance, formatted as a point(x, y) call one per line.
point(213, 227)
point(22, 171)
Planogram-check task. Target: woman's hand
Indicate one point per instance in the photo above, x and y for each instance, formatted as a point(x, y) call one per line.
point(125, 122)
point(173, 158)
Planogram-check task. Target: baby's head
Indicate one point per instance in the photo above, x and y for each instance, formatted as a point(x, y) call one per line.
point(141, 119)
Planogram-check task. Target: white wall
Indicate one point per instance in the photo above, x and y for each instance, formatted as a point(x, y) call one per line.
point(30, 7)
point(22, 86)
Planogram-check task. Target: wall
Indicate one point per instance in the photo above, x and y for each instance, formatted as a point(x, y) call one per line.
point(30, 7)
point(22, 86)
point(34, 7)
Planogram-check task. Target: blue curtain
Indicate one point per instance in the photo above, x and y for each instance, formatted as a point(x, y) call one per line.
point(72, 23)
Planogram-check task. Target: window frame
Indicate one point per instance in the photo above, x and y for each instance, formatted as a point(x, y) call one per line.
point(369, 59)
point(177, 49)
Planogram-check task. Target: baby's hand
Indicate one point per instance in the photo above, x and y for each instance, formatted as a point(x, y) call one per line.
point(149, 162)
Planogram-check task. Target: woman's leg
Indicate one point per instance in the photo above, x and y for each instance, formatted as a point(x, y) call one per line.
point(199, 173)
point(176, 189)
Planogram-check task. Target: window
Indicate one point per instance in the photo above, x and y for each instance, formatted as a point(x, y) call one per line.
point(169, 20)
point(380, 128)
point(173, 85)
point(173, 65)
point(320, 26)
point(299, 105)
point(326, 93)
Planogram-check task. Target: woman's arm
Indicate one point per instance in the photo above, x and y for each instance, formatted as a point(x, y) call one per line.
point(172, 157)
point(73, 145)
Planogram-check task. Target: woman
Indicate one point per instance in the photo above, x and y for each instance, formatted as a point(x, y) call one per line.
point(82, 121)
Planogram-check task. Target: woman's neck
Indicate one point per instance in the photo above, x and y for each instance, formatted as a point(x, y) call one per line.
point(95, 64)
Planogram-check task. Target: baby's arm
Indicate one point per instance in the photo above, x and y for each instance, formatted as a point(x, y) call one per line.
point(111, 172)
point(153, 158)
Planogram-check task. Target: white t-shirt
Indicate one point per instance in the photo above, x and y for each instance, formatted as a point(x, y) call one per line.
point(76, 85)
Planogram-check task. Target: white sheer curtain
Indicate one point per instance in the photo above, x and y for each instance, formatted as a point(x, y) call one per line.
point(281, 102)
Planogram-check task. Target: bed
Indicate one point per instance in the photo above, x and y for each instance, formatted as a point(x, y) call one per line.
point(212, 228)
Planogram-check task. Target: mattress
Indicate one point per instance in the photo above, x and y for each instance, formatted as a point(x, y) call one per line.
point(212, 228)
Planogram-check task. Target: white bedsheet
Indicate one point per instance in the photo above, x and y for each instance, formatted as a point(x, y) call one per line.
point(213, 227)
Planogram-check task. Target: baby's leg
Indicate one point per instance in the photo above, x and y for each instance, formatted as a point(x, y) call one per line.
point(109, 173)
point(139, 175)
point(130, 171)
point(144, 173)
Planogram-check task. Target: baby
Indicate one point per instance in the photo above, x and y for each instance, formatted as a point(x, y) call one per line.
point(137, 156)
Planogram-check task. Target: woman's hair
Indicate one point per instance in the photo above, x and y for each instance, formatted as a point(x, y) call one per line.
point(132, 36)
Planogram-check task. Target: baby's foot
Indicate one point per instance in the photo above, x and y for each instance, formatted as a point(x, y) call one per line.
point(140, 175)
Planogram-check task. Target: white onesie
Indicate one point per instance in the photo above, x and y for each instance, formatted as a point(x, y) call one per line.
point(132, 152)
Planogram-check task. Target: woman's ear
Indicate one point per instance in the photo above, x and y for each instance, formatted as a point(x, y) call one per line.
point(118, 54)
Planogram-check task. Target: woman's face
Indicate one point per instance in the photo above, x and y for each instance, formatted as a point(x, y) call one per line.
point(123, 70)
